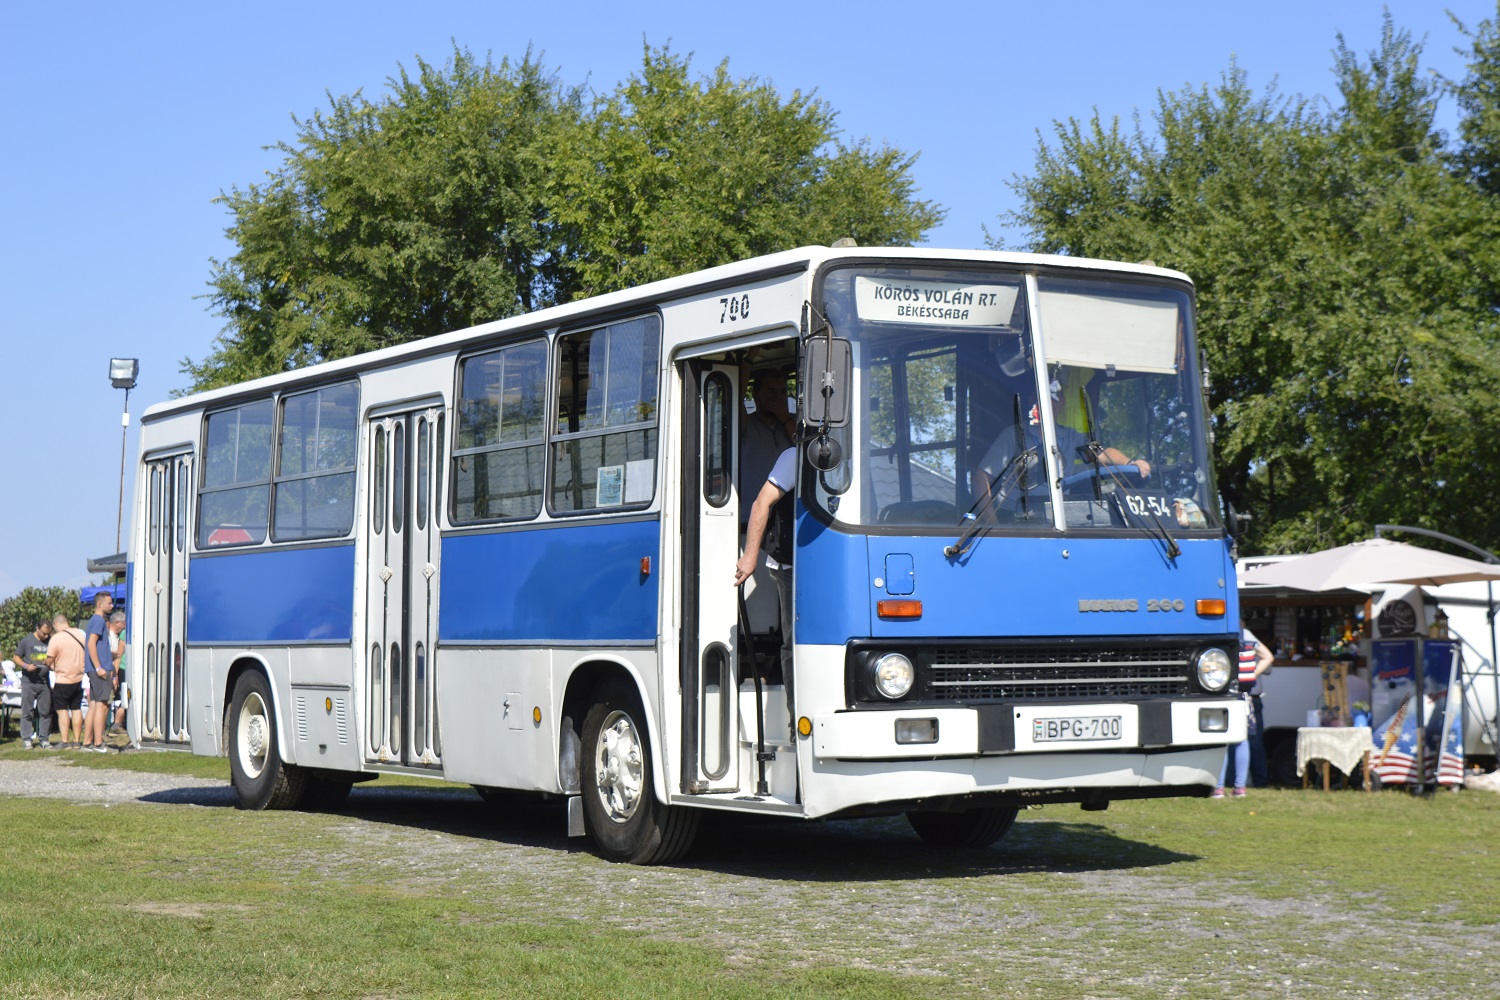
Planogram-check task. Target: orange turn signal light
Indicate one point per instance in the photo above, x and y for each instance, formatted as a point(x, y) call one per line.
point(1213, 607)
point(898, 609)
point(804, 726)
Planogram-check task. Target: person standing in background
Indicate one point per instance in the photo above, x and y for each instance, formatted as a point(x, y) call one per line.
point(1255, 658)
point(36, 691)
point(118, 648)
point(99, 666)
point(66, 654)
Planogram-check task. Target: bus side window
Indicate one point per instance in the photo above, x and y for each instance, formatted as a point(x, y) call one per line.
point(233, 505)
point(604, 440)
point(498, 460)
point(314, 486)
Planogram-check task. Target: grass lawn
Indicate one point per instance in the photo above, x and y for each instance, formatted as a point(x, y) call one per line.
point(1284, 893)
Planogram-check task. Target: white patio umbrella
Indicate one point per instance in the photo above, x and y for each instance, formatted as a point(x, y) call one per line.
point(1376, 560)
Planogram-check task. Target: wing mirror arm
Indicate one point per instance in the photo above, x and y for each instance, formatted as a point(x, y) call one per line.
point(826, 375)
point(1235, 521)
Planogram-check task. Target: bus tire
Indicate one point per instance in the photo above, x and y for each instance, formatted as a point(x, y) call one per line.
point(970, 828)
point(620, 809)
point(260, 779)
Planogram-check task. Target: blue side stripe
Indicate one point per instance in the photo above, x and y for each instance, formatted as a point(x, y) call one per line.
point(566, 583)
point(272, 595)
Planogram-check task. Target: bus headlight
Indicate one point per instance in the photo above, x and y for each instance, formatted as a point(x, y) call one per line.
point(893, 675)
point(1214, 669)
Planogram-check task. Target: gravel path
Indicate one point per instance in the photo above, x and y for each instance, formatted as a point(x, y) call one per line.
point(56, 779)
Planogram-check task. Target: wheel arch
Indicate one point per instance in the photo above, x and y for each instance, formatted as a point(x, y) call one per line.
point(582, 679)
point(245, 663)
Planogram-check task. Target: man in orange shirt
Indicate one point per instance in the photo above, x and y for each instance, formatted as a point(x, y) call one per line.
point(65, 655)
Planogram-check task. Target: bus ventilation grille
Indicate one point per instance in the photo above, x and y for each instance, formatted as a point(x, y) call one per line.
point(1049, 673)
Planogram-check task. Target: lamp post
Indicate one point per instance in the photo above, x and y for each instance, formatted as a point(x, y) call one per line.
point(122, 373)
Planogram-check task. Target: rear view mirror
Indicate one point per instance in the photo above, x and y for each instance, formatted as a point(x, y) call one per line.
point(825, 382)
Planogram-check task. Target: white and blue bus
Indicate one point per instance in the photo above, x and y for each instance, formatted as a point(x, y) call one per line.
point(505, 556)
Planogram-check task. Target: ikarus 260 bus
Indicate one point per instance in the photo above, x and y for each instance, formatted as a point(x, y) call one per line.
point(505, 556)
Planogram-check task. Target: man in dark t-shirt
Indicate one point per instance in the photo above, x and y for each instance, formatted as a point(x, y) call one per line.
point(36, 691)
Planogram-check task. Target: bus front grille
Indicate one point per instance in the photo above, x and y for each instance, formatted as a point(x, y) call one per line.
point(1049, 673)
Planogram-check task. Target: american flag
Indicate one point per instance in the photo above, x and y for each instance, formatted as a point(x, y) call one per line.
point(1400, 763)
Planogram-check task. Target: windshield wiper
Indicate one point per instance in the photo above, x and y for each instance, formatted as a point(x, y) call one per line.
point(1015, 471)
point(1160, 534)
point(1095, 456)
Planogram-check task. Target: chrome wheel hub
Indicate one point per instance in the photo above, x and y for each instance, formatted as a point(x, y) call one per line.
point(619, 765)
point(253, 736)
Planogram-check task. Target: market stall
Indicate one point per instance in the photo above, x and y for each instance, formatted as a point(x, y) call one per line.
point(1359, 643)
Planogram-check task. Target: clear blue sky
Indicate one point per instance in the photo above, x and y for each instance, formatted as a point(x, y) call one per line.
point(123, 121)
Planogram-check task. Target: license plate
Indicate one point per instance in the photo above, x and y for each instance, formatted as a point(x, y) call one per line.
point(1076, 729)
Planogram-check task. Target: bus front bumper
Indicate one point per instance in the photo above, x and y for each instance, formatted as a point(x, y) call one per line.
point(924, 732)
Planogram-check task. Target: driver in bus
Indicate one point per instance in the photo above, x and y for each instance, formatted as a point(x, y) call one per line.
point(1074, 444)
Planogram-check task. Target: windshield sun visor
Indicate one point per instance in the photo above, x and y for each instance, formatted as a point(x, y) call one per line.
point(1104, 331)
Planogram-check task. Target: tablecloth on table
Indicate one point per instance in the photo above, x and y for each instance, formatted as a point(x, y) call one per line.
point(1342, 746)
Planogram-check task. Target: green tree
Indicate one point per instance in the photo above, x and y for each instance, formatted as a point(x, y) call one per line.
point(471, 192)
point(393, 220)
point(671, 173)
point(1345, 276)
point(1478, 95)
point(21, 613)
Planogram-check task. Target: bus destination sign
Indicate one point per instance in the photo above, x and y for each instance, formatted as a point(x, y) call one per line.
point(936, 303)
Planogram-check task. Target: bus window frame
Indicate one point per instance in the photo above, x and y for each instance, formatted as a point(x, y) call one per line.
point(202, 477)
point(449, 502)
point(554, 398)
point(1031, 272)
point(280, 401)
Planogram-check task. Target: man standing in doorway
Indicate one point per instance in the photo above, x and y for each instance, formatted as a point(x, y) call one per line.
point(36, 690)
point(99, 666)
point(765, 433)
point(773, 509)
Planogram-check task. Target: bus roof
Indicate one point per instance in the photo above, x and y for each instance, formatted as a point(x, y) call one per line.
point(754, 268)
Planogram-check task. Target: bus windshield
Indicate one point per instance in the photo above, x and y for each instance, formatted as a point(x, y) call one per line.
point(963, 411)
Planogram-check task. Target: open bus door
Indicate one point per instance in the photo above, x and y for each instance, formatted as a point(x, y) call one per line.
point(710, 546)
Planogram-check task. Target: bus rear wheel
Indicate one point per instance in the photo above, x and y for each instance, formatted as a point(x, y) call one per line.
point(259, 778)
point(970, 828)
point(620, 809)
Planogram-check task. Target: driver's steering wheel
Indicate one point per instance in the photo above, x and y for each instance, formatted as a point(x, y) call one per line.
point(1129, 470)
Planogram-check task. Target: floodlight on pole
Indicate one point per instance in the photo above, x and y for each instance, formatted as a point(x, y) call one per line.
point(122, 375)
point(122, 372)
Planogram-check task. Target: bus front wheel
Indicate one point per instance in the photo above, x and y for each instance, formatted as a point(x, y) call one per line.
point(970, 828)
point(620, 809)
point(260, 779)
